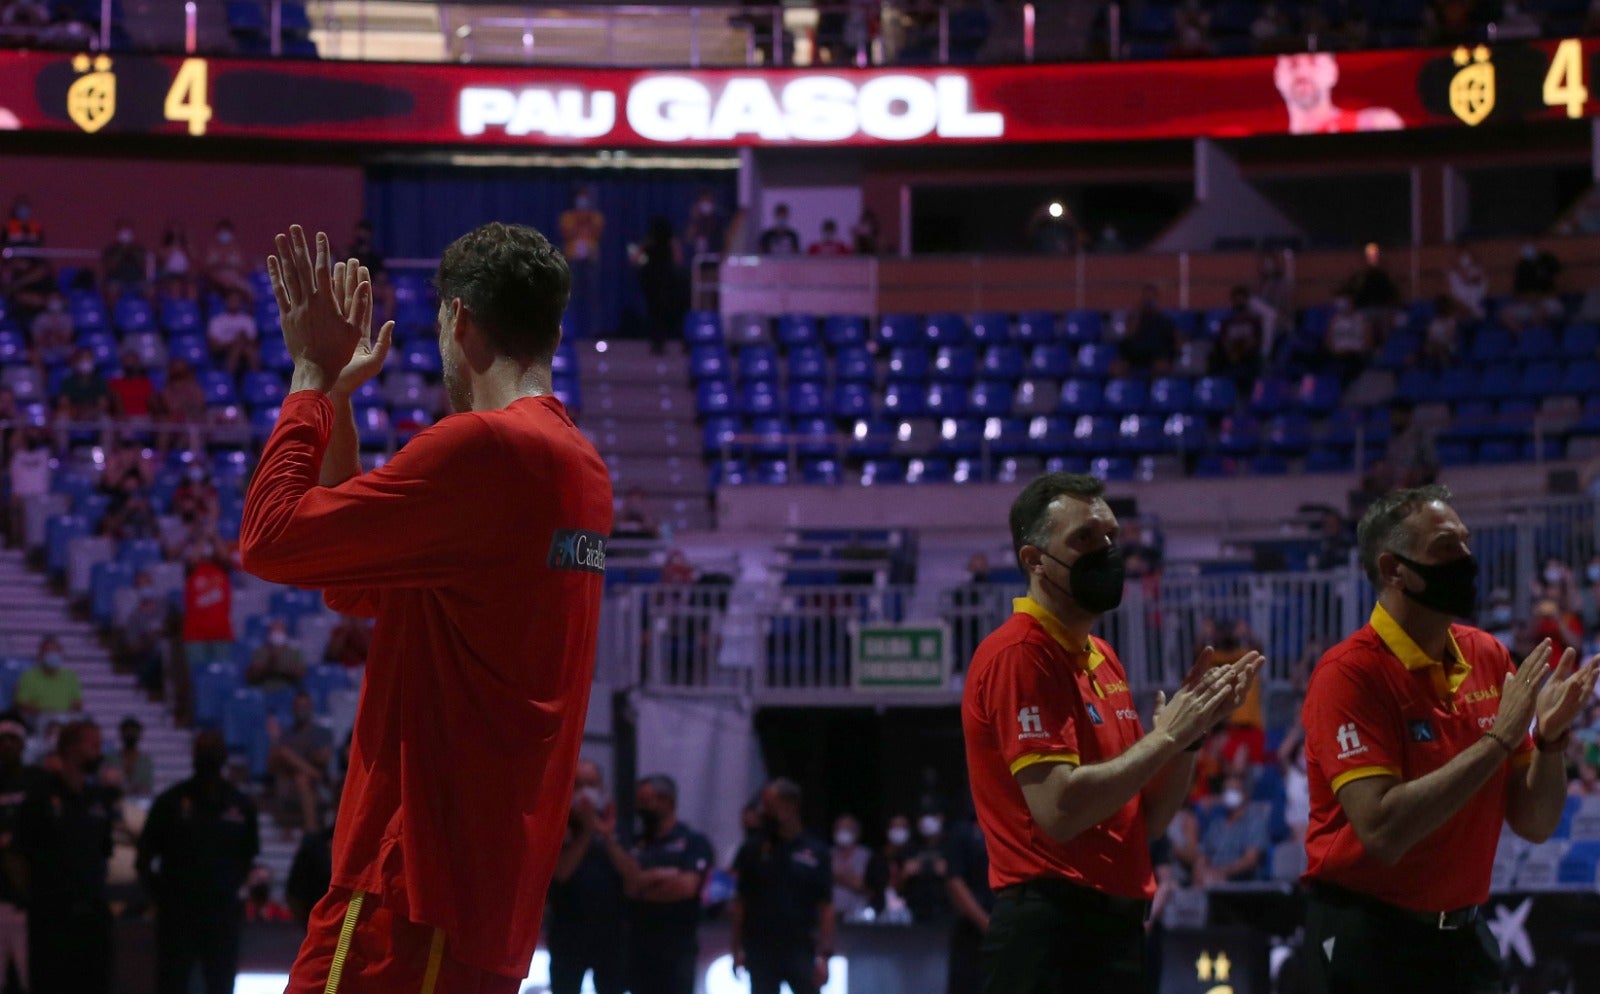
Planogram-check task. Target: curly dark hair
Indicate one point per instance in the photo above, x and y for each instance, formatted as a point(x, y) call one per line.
point(514, 283)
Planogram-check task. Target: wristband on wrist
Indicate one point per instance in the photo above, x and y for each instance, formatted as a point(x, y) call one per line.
point(1497, 740)
point(1557, 744)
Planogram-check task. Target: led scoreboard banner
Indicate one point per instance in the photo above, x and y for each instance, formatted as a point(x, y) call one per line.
point(434, 104)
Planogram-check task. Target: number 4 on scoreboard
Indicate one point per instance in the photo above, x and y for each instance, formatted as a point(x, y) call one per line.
point(187, 100)
point(1563, 84)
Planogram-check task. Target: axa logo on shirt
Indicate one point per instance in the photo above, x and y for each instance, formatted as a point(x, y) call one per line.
point(1094, 713)
point(577, 549)
point(1349, 741)
point(673, 109)
point(1032, 726)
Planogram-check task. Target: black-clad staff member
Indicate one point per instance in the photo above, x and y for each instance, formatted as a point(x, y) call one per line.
point(662, 876)
point(967, 883)
point(65, 830)
point(1417, 750)
point(583, 922)
point(1067, 785)
point(783, 918)
point(199, 842)
point(15, 781)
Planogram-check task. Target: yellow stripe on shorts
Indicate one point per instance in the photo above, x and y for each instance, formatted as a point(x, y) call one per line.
point(342, 950)
point(435, 960)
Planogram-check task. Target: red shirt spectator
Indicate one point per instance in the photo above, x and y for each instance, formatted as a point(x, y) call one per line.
point(207, 603)
point(131, 392)
point(830, 243)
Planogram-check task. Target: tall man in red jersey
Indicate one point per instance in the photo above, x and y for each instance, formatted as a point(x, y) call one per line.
point(1067, 785)
point(480, 549)
point(1417, 750)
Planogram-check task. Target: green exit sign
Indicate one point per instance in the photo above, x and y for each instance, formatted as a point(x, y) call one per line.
point(902, 657)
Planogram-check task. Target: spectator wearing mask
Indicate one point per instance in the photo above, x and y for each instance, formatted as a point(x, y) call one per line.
point(65, 833)
point(174, 268)
point(299, 762)
point(277, 665)
point(29, 472)
point(83, 395)
point(885, 872)
point(52, 331)
point(16, 780)
point(849, 860)
point(1469, 286)
point(783, 919)
point(196, 498)
point(49, 687)
point(924, 873)
point(129, 457)
point(225, 271)
point(124, 265)
point(582, 226)
point(1499, 619)
point(130, 767)
point(1348, 342)
point(195, 853)
point(140, 635)
point(662, 875)
point(1150, 344)
point(780, 238)
point(130, 515)
point(207, 607)
point(967, 885)
point(1557, 582)
point(704, 233)
point(1237, 352)
point(232, 336)
point(586, 902)
point(349, 642)
point(1234, 845)
point(830, 243)
point(132, 391)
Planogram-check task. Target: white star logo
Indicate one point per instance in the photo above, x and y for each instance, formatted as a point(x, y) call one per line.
point(1510, 929)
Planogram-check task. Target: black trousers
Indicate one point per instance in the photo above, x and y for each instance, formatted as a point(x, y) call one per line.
point(662, 967)
point(190, 937)
point(966, 959)
point(574, 952)
point(1357, 945)
point(1052, 937)
point(69, 951)
point(771, 967)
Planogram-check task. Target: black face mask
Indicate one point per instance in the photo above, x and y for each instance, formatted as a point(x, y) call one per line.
point(771, 826)
point(649, 822)
point(1096, 579)
point(1449, 588)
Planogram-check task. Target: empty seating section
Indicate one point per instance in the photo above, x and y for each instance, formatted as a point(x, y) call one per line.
point(992, 396)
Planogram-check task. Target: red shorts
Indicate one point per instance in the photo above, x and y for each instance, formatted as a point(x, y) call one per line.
point(354, 945)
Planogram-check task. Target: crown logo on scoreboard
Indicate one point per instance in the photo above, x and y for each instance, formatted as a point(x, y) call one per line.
point(92, 100)
point(1472, 87)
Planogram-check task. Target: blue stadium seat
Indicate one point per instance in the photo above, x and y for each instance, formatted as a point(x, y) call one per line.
point(770, 472)
point(758, 362)
point(1094, 434)
point(960, 437)
point(264, 419)
point(854, 364)
point(797, 329)
point(1081, 397)
point(191, 350)
point(1269, 396)
point(1534, 344)
point(87, 310)
point(1581, 378)
point(1460, 383)
point(105, 579)
point(1269, 465)
point(709, 362)
point(262, 389)
point(1497, 451)
point(180, 317)
point(1215, 395)
point(1580, 863)
point(814, 436)
point(1491, 345)
point(102, 344)
point(1142, 434)
point(1001, 362)
point(1185, 432)
point(218, 387)
point(245, 16)
point(1456, 454)
point(876, 472)
point(702, 328)
point(719, 432)
point(728, 472)
point(140, 553)
point(1319, 393)
point(945, 329)
point(408, 421)
point(991, 399)
point(1289, 434)
point(13, 348)
point(1050, 434)
point(955, 363)
point(1115, 469)
point(944, 400)
point(1095, 360)
point(1328, 460)
point(1052, 361)
point(1171, 395)
point(896, 330)
point(758, 397)
point(821, 471)
point(1398, 349)
point(1084, 327)
point(370, 393)
point(908, 364)
point(841, 330)
point(1238, 435)
point(870, 438)
point(806, 398)
point(1006, 436)
point(1580, 341)
point(1126, 396)
point(928, 471)
point(323, 680)
point(421, 357)
point(134, 314)
point(990, 328)
point(714, 397)
point(565, 360)
point(768, 437)
point(807, 363)
point(852, 400)
point(1036, 328)
point(372, 426)
point(1540, 379)
point(905, 400)
point(11, 671)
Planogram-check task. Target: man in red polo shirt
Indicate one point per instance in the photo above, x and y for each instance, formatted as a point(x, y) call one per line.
point(480, 549)
point(1067, 786)
point(1417, 750)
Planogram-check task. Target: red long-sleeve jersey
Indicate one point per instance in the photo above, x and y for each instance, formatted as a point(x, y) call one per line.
point(480, 549)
